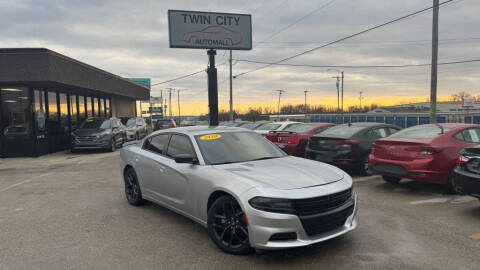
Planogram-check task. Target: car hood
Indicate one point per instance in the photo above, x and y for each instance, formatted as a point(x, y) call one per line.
point(285, 173)
point(87, 132)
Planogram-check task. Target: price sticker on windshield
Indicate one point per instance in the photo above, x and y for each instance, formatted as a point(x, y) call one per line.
point(210, 137)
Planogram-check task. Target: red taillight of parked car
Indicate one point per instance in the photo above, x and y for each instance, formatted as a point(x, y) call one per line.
point(422, 150)
point(462, 160)
point(346, 143)
point(293, 140)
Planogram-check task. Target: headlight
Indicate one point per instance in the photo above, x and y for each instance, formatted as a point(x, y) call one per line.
point(274, 205)
point(104, 133)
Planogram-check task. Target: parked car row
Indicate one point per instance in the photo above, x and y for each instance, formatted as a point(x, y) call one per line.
point(427, 153)
point(107, 133)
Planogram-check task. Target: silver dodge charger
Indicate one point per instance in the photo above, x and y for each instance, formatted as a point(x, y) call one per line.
point(245, 190)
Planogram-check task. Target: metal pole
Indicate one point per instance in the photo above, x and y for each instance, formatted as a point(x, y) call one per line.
point(305, 106)
point(178, 97)
point(360, 101)
point(279, 95)
point(342, 96)
point(170, 102)
point(231, 92)
point(212, 89)
point(433, 83)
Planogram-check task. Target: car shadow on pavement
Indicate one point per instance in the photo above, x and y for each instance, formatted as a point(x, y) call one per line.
point(415, 188)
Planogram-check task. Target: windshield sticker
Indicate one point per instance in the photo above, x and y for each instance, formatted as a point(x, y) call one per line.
point(210, 137)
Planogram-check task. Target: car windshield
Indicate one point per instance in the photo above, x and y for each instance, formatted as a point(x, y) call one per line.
point(342, 131)
point(269, 126)
point(249, 125)
point(95, 124)
point(301, 128)
point(131, 122)
point(233, 147)
point(429, 132)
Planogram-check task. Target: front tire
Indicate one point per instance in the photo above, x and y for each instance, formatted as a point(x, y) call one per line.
point(364, 168)
point(227, 226)
point(132, 188)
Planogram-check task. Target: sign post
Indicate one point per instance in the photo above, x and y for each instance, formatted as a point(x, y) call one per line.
point(468, 103)
point(211, 31)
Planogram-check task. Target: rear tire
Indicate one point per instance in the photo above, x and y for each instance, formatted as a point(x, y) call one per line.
point(363, 167)
point(132, 188)
point(227, 226)
point(391, 179)
point(113, 147)
point(451, 183)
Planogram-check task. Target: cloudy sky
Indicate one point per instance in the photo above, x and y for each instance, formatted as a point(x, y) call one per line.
point(130, 38)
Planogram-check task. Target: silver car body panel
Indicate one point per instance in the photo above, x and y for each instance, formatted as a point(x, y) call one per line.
point(186, 188)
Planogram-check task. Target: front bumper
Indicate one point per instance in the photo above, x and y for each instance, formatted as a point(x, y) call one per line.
point(263, 225)
point(467, 183)
point(90, 145)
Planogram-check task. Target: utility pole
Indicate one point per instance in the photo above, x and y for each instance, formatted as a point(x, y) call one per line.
point(305, 106)
point(338, 94)
point(231, 92)
point(342, 96)
point(279, 95)
point(360, 98)
point(433, 83)
point(178, 97)
point(170, 101)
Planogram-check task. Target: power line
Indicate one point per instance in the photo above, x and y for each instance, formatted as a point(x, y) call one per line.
point(184, 76)
point(365, 66)
point(345, 38)
point(298, 20)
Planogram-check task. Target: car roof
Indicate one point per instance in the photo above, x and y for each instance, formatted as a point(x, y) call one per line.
point(200, 130)
point(366, 124)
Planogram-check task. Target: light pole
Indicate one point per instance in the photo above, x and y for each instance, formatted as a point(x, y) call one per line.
point(231, 91)
point(279, 95)
point(178, 100)
point(305, 107)
point(342, 77)
point(360, 98)
point(433, 82)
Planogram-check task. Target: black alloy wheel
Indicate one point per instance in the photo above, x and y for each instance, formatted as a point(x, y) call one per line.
point(227, 226)
point(132, 188)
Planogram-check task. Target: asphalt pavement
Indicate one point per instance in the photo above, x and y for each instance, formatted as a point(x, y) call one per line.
point(68, 211)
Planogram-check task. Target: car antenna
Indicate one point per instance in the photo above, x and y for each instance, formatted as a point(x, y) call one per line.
point(441, 129)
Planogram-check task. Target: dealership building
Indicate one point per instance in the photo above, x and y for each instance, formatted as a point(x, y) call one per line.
point(44, 95)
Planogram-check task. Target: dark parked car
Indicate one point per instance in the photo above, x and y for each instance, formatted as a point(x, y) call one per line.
point(348, 145)
point(99, 133)
point(467, 172)
point(294, 139)
point(425, 153)
point(136, 128)
point(164, 124)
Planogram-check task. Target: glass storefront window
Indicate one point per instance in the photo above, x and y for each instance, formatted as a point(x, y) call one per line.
point(89, 107)
point(101, 106)
point(73, 109)
point(63, 112)
point(107, 106)
point(40, 114)
point(16, 113)
point(81, 108)
point(52, 106)
point(96, 107)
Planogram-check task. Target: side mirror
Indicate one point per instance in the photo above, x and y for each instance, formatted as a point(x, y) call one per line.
point(185, 158)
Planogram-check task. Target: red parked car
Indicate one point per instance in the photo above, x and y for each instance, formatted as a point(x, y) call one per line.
point(294, 139)
point(425, 153)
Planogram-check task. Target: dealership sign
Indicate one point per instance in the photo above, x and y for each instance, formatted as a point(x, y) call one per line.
point(468, 102)
point(209, 30)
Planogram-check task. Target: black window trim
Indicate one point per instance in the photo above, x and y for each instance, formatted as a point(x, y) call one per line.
point(166, 145)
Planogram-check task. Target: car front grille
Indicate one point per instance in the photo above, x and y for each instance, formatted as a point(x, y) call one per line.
point(86, 138)
point(322, 214)
point(474, 166)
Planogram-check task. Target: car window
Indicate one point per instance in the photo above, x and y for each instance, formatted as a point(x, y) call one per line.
point(392, 130)
point(471, 135)
point(420, 132)
point(157, 143)
point(342, 131)
point(232, 147)
point(180, 145)
point(377, 133)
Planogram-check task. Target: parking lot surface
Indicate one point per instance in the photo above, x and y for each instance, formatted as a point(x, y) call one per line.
point(68, 211)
